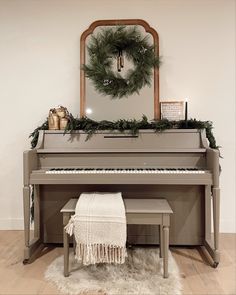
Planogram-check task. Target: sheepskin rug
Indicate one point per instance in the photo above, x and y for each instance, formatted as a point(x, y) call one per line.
point(140, 275)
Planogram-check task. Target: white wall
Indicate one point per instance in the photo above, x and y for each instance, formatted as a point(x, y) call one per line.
point(39, 68)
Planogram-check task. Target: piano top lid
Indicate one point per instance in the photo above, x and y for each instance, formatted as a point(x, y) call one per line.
point(172, 130)
point(172, 140)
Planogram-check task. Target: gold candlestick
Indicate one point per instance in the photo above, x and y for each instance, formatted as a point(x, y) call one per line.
point(53, 121)
point(63, 123)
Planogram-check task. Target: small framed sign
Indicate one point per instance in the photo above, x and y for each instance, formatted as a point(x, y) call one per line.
point(172, 110)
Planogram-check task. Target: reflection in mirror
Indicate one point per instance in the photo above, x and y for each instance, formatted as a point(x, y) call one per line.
point(100, 106)
point(103, 107)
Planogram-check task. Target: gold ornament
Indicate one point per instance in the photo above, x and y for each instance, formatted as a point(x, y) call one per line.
point(61, 111)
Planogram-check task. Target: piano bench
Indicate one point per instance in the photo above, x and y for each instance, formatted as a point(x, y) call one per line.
point(138, 211)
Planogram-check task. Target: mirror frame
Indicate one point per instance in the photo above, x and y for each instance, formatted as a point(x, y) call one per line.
point(118, 22)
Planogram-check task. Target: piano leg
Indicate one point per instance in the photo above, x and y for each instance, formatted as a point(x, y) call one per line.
point(208, 212)
point(216, 223)
point(26, 201)
point(32, 247)
point(212, 247)
point(36, 212)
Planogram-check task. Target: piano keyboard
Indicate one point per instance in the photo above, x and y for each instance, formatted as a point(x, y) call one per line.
point(125, 171)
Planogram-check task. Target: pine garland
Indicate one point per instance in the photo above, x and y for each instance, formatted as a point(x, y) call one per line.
point(112, 43)
point(133, 126)
point(35, 133)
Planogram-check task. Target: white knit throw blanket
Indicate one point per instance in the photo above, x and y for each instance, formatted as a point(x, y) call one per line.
point(99, 226)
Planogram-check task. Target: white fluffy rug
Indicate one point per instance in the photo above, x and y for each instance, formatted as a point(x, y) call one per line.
point(140, 275)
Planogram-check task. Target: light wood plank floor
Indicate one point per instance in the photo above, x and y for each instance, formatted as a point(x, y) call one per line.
point(198, 277)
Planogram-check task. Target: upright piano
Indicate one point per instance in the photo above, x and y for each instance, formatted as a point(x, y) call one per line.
point(175, 164)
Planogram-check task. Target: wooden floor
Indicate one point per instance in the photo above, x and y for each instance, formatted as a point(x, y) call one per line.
point(198, 276)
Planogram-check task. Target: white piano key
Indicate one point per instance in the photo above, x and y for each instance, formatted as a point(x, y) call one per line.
point(125, 171)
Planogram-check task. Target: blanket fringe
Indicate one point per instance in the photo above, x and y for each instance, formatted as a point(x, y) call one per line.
point(98, 253)
point(69, 228)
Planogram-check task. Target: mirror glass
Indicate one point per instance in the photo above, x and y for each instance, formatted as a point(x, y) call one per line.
point(99, 106)
point(103, 107)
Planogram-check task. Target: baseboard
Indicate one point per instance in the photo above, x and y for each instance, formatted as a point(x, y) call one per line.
point(227, 226)
point(11, 224)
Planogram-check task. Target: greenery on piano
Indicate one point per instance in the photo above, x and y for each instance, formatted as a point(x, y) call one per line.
point(133, 126)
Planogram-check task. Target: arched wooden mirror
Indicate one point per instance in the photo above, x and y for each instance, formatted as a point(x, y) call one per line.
point(101, 107)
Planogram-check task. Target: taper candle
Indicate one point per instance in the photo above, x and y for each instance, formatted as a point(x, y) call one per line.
point(186, 112)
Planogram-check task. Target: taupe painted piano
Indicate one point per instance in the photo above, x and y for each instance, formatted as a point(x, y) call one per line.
point(175, 164)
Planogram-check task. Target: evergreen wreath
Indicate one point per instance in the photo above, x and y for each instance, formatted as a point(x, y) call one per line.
point(116, 43)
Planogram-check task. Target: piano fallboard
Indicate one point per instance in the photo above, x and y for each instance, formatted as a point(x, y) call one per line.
point(108, 141)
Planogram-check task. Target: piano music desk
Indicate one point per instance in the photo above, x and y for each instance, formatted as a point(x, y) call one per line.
point(138, 211)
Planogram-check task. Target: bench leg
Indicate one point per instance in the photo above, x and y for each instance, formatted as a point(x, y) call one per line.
point(165, 250)
point(161, 241)
point(66, 218)
point(74, 245)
